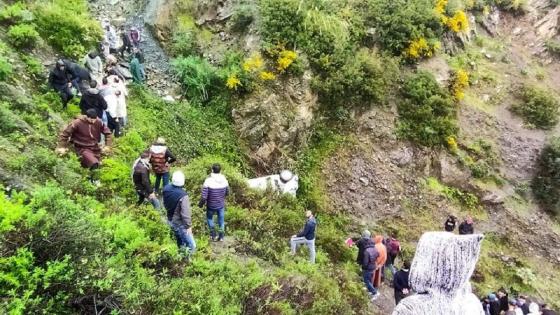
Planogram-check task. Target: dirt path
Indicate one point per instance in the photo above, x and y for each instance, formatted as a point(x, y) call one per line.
point(130, 13)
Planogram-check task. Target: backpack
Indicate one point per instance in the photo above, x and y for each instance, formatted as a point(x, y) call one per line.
point(393, 246)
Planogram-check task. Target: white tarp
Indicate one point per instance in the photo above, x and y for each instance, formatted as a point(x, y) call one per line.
point(286, 182)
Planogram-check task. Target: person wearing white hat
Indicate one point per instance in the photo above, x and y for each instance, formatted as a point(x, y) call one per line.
point(179, 216)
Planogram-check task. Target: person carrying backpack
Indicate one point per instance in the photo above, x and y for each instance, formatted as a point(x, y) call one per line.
point(393, 250)
point(141, 179)
point(161, 159)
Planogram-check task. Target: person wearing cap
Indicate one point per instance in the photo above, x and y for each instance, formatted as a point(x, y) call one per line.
point(84, 133)
point(400, 282)
point(176, 202)
point(493, 304)
point(306, 236)
point(61, 79)
point(361, 245)
point(141, 179)
point(512, 308)
point(214, 192)
point(466, 227)
point(161, 158)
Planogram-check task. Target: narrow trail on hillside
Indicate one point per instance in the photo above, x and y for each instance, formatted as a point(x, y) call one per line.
point(130, 13)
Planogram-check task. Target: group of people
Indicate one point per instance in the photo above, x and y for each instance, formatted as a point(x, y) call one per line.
point(500, 303)
point(466, 227)
point(102, 91)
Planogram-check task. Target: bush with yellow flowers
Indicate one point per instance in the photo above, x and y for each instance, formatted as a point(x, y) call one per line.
point(459, 82)
point(420, 48)
point(285, 59)
point(233, 82)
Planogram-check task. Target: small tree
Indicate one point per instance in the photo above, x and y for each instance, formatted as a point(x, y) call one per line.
point(546, 184)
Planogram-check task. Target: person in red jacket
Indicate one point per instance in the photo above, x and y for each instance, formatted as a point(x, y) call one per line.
point(84, 133)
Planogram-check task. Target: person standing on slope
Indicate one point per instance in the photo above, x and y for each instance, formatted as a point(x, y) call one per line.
point(161, 158)
point(306, 236)
point(62, 79)
point(368, 268)
point(141, 179)
point(179, 216)
point(381, 260)
point(400, 283)
point(214, 192)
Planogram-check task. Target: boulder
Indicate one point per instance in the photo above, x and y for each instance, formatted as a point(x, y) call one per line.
point(451, 173)
point(158, 15)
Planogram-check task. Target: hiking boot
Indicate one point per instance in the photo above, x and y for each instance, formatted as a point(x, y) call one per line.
point(213, 236)
point(375, 296)
point(221, 237)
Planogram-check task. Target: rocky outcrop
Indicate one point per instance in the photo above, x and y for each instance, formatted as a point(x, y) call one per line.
point(275, 121)
point(159, 16)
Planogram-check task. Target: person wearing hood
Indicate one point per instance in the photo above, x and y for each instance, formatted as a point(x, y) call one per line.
point(493, 304)
point(134, 35)
point(176, 202)
point(85, 134)
point(108, 94)
point(137, 70)
point(119, 88)
point(534, 309)
point(93, 63)
point(381, 260)
point(161, 158)
point(369, 264)
point(62, 78)
point(450, 223)
point(92, 99)
point(361, 245)
point(141, 179)
point(306, 236)
point(400, 282)
point(214, 191)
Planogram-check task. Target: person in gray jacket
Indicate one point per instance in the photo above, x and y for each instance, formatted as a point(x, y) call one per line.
point(177, 204)
point(93, 63)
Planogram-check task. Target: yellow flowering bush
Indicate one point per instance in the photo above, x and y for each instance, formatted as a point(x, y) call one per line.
point(440, 10)
point(285, 59)
point(233, 82)
point(452, 144)
point(459, 82)
point(421, 48)
point(254, 63)
point(267, 76)
point(459, 22)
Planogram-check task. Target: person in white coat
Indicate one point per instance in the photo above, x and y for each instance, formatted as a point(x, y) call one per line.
point(120, 91)
point(93, 63)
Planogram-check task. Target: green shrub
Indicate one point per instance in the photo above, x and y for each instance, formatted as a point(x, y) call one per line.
point(199, 78)
point(184, 44)
point(67, 26)
point(5, 69)
point(539, 107)
point(282, 22)
point(553, 46)
point(546, 184)
point(15, 13)
point(427, 114)
point(243, 16)
point(33, 65)
point(399, 23)
point(23, 35)
point(362, 80)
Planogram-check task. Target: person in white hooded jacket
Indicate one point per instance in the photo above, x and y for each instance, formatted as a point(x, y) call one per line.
point(120, 93)
point(214, 192)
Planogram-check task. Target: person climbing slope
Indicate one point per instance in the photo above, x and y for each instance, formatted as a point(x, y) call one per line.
point(94, 65)
point(361, 245)
point(92, 99)
point(306, 236)
point(141, 180)
point(214, 192)
point(176, 202)
point(85, 133)
point(393, 249)
point(137, 70)
point(161, 158)
point(368, 268)
point(62, 79)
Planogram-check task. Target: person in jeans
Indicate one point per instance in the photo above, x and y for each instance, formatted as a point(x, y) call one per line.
point(179, 216)
point(368, 268)
point(161, 158)
point(141, 179)
point(306, 236)
point(214, 192)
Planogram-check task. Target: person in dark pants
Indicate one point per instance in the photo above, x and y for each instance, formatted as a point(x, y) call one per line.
point(161, 158)
point(368, 268)
point(547, 311)
point(179, 216)
point(361, 244)
point(141, 179)
point(466, 227)
point(306, 236)
point(92, 99)
point(62, 79)
point(214, 192)
point(400, 282)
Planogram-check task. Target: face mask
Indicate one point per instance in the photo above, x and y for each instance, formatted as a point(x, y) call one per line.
point(146, 161)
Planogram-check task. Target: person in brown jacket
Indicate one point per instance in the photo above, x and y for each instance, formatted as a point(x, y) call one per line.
point(85, 133)
point(380, 262)
point(160, 159)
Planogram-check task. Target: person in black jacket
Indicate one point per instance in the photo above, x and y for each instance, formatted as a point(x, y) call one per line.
point(400, 282)
point(450, 223)
point(547, 311)
point(361, 244)
point(141, 179)
point(61, 79)
point(92, 98)
point(504, 299)
point(306, 236)
point(466, 227)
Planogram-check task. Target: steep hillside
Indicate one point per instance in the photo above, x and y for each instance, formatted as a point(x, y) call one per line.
point(394, 114)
